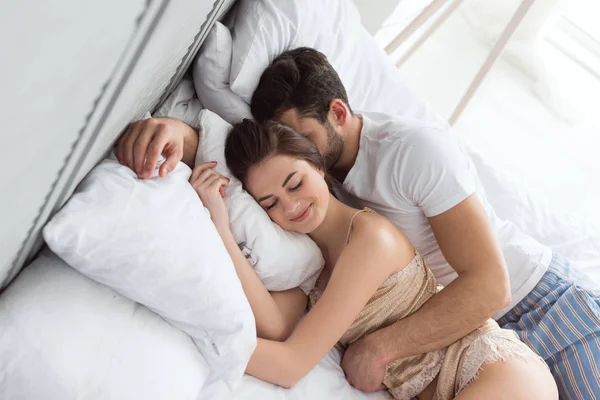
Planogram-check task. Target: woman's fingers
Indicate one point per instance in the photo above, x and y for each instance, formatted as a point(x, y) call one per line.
point(200, 169)
point(204, 174)
point(217, 181)
point(213, 184)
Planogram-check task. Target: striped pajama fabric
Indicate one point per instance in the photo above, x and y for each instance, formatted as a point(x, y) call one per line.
point(560, 320)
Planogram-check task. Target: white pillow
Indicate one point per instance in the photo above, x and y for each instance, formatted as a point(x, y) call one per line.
point(211, 76)
point(263, 29)
point(283, 260)
point(182, 103)
point(154, 242)
point(66, 337)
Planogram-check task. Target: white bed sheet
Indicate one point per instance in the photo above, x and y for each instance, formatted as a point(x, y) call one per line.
point(325, 381)
point(569, 237)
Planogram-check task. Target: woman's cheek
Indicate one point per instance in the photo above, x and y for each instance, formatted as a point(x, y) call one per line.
point(276, 217)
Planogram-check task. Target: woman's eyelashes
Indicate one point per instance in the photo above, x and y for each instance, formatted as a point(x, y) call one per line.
point(292, 189)
point(270, 206)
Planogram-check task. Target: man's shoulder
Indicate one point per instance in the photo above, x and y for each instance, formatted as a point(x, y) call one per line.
point(398, 129)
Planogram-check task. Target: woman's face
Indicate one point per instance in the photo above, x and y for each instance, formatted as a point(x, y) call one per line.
point(292, 191)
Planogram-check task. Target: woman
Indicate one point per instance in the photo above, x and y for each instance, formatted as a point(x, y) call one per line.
point(373, 277)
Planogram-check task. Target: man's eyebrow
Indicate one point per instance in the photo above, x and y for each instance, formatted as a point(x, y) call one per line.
point(288, 178)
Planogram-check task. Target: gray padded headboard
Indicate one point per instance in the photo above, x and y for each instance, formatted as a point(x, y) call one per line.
point(73, 75)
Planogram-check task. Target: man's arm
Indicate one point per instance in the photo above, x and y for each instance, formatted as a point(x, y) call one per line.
point(482, 287)
point(144, 141)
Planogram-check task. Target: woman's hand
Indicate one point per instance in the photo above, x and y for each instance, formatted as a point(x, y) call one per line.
point(209, 186)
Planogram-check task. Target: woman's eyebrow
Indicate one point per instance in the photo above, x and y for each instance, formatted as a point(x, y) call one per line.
point(265, 198)
point(288, 178)
point(284, 183)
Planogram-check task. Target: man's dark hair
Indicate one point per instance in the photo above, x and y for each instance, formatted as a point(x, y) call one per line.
point(301, 78)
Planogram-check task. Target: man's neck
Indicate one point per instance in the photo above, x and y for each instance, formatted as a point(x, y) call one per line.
point(351, 145)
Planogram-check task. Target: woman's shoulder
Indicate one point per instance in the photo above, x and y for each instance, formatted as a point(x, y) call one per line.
point(380, 234)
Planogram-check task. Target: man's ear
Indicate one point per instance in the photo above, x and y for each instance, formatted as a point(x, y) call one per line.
point(338, 113)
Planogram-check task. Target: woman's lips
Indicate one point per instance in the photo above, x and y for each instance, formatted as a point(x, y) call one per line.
point(302, 217)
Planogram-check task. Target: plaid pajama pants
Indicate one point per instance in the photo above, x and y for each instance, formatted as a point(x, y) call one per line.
point(560, 320)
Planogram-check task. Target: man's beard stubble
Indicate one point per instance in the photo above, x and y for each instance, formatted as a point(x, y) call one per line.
point(335, 147)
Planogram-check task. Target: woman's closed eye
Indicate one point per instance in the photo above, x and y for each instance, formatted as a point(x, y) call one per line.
point(270, 206)
point(274, 202)
point(293, 189)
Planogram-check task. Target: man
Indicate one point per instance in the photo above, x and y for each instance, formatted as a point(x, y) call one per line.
point(417, 176)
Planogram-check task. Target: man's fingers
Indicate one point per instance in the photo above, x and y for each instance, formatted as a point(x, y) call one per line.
point(140, 148)
point(154, 149)
point(122, 143)
point(129, 143)
point(172, 158)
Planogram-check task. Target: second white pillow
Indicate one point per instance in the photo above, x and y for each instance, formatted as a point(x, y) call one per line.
point(153, 241)
point(282, 259)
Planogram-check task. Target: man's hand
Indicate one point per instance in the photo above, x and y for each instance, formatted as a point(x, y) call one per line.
point(363, 367)
point(144, 141)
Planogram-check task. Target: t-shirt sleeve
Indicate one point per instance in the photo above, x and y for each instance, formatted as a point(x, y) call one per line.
point(432, 171)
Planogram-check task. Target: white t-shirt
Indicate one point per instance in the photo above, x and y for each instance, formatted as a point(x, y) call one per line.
point(410, 170)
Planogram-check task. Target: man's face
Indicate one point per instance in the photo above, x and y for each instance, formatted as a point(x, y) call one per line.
point(329, 142)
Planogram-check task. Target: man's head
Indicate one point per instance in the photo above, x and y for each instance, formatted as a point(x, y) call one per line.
point(302, 90)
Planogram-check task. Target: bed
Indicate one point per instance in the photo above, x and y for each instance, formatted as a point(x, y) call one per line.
point(72, 91)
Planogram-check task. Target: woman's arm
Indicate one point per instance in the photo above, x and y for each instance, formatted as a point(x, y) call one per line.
point(276, 313)
point(375, 252)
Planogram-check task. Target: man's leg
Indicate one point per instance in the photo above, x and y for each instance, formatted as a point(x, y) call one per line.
point(560, 320)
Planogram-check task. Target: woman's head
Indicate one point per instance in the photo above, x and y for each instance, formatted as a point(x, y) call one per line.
point(282, 170)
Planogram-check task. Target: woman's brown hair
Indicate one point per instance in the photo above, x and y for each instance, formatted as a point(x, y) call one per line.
point(250, 142)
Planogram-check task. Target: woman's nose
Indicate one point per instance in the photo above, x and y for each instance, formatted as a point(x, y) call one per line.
point(290, 206)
